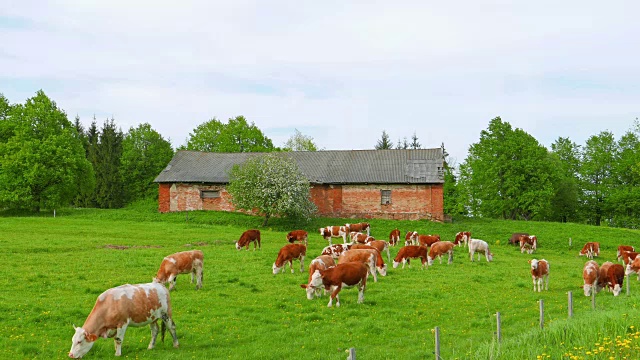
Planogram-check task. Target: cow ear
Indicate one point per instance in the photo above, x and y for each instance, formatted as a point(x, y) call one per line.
point(91, 337)
point(304, 286)
point(529, 261)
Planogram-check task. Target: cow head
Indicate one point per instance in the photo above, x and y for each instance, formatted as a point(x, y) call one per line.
point(616, 290)
point(383, 270)
point(489, 256)
point(276, 269)
point(81, 343)
point(534, 264)
point(314, 285)
point(238, 245)
point(395, 264)
point(587, 289)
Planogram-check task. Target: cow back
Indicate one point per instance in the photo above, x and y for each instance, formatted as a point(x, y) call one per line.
point(349, 273)
point(248, 236)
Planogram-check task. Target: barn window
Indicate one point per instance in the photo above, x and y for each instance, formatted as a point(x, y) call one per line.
point(209, 194)
point(385, 197)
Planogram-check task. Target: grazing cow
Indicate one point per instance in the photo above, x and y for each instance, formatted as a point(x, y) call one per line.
point(623, 248)
point(359, 227)
point(247, 237)
point(335, 250)
point(602, 275)
point(590, 250)
point(411, 252)
point(380, 265)
point(360, 238)
point(628, 256)
point(590, 275)
point(427, 240)
point(515, 238)
point(394, 237)
point(411, 238)
point(528, 243)
point(634, 267)
point(181, 263)
point(334, 278)
point(334, 232)
point(438, 249)
point(381, 245)
point(615, 278)
point(368, 257)
point(480, 247)
point(120, 307)
point(287, 254)
point(540, 273)
point(322, 262)
point(298, 235)
point(462, 238)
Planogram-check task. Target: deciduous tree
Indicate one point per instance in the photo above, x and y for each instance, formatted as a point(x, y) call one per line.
point(300, 142)
point(237, 135)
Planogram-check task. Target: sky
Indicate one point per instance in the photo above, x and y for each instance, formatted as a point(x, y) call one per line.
point(340, 72)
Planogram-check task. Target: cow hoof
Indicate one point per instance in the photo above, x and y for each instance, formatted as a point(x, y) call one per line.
point(176, 345)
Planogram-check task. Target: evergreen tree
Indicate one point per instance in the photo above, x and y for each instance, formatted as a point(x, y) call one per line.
point(385, 142)
point(109, 182)
point(414, 142)
point(404, 144)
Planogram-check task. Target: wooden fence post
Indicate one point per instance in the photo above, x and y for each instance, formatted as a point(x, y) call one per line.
point(569, 243)
point(570, 304)
point(437, 331)
point(352, 354)
point(499, 327)
point(541, 314)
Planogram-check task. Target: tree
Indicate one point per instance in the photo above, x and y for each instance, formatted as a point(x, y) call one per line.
point(42, 162)
point(235, 136)
point(6, 127)
point(385, 142)
point(300, 142)
point(598, 160)
point(404, 144)
point(109, 182)
point(271, 184)
point(144, 154)
point(565, 157)
point(414, 142)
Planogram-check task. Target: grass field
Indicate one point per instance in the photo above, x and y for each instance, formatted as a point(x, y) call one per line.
point(58, 266)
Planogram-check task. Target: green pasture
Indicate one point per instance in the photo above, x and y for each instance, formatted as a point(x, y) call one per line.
point(54, 269)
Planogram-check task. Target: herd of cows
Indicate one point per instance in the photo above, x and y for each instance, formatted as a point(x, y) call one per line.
point(146, 304)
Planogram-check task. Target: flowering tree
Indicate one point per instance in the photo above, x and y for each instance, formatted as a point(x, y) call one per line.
point(272, 184)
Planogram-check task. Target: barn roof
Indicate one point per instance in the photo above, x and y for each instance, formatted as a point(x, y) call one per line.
point(421, 166)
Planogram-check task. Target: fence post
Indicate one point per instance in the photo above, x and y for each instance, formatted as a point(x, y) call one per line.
point(54, 212)
point(569, 243)
point(593, 296)
point(352, 354)
point(437, 331)
point(570, 304)
point(541, 314)
point(499, 327)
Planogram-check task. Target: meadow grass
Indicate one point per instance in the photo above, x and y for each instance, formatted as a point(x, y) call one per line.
point(58, 266)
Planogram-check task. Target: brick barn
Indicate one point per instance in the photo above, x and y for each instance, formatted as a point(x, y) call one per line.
point(388, 184)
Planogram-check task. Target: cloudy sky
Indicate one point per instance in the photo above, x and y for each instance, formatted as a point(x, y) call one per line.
point(338, 71)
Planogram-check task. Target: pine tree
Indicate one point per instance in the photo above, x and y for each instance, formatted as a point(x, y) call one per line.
point(385, 142)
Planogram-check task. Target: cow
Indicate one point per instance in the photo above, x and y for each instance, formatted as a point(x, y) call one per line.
point(602, 275)
point(411, 252)
point(121, 307)
point(515, 238)
point(427, 240)
point(287, 254)
point(360, 238)
point(368, 257)
point(628, 256)
point(615, 278)
point(623, 248)
point(322, 262)
point(181, 263)
point(334, 278)
point(438, 249)
point(462, 238)
point(634, 267)
point(590, 250)
point(411, 238)
point(298, 235)
point(540, 273)
point(394, 237)
point(247, 237)
point(480, 247)
point(381, 245)
point(528, 243)
point(590, 274)
point(380, 265)
point(359, 227)
point(335, 250)
point(334, 232)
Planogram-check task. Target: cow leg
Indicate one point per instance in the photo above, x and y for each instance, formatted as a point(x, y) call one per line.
point(361, 292)
point(546, 282)
point(471, 255)
point(154, 334)
point(291, 266)
point(302, 263)
point(424, 263)
point(388, 255)
point(168, 321)
point(117, 340)
point(534, 283)
point(405, 260)
point(199, 277)
point(451, 257)
point(335, 289)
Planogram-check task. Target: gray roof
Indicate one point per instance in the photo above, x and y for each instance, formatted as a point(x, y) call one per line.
point(421, 166)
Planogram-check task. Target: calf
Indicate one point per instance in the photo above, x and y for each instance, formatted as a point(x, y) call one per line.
point(615, 278)
point(590, 250)
point(590, 277)
point(440, 248)
point(181, 263)
point(359, 227)
point(623, 248)
point(298, 235)
point(462, 238)
point(287, 254)
point(540, 273)
point(411, 252)
point(528, 243)
point(628, 256)
point(394, 237)
point(247, 237)
point(515, 238)
point(335, 250)
point(334, 232)
point(634, 267)
point(381, 245)
point(333, 279)
point(322, 262)
point(427, 240)
point(120, 307)
point(480, 247)
point(366, 256)
point(411, 238)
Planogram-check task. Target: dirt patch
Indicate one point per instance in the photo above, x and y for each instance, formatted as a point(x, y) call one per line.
point(200, 243)
point(124, 247)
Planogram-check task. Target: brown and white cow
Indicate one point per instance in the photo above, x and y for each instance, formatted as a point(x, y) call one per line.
point(181, 263)
point(368, 257)
point(298, 235)
point(427, 240)
point(394, 237)
point(335, 250)
point(360, 238)
point(121, 307)
point(411, 252)
point(528, 243)
point(287, 254)
point(602, 275)
point(380, 265)
point(359, 227)
point(411, 238)
point(480, 247)
point(540, 273)
point(334, 232)
point(623, 248)
point(515, 238)
point(462, 238)
point(590, 274)
point(590, 250)
point(440, 248)
point(322, 262)
point(333, 279)
point(247, 237)
point(628, 256)
point(615, 278)
point(381, 245)
point(633, 267)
